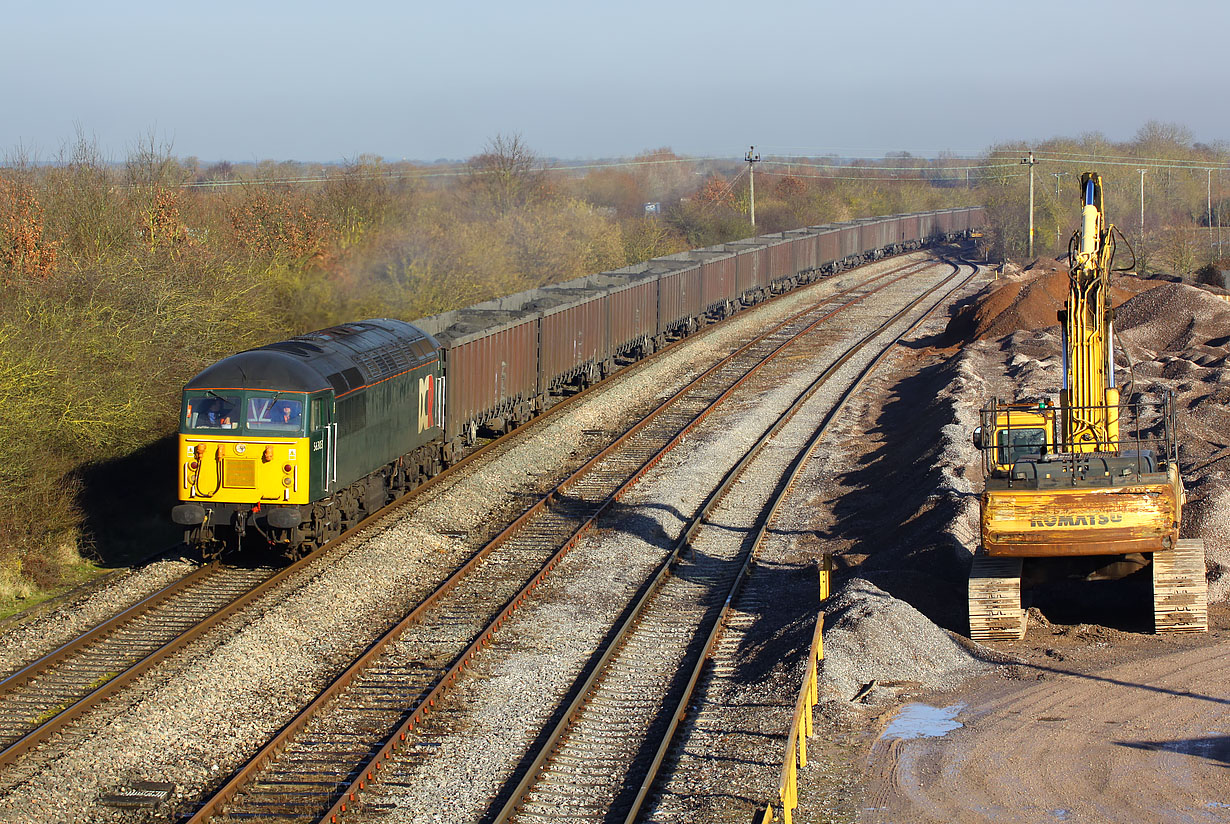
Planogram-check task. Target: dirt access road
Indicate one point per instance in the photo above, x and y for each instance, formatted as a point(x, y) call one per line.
point(1091, 725)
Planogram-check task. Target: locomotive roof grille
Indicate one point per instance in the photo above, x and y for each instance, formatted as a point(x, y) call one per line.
point(344, 358)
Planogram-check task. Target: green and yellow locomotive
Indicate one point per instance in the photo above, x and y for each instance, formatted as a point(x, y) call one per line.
point(301, 439)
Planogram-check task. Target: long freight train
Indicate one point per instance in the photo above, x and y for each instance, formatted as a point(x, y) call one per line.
point(301, 439)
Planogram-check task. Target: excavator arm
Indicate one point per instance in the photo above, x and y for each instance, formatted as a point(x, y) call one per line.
point(1089, 399)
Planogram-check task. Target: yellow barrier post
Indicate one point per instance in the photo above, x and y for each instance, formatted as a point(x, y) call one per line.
point(826, 575)
point(802, 725)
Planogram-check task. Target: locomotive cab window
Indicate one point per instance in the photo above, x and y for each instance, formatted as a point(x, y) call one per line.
point(273, 413)
point(212, 411)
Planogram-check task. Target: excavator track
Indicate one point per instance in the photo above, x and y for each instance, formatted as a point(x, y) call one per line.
point(995, 612)
point(1180, 595)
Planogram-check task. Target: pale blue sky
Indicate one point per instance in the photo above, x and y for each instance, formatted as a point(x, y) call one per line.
point(328, 81)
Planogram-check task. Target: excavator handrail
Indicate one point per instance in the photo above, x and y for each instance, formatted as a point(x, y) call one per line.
point(1146, 426)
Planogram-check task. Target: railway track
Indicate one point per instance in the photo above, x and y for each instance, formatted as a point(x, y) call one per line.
point(601, 760)
point(319, 763)
point(52, 692)
point(48, 695)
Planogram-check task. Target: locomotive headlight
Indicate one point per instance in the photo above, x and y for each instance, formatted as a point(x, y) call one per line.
point(286, 482)
point(240, 449)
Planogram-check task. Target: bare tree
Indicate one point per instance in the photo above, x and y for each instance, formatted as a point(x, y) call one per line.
point(154, 176)
point(1179, 248)
point(508, 174)
point(1163, 137)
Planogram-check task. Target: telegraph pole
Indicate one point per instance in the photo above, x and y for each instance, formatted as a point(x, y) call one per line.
point(1142, 205)
point(1208, 220)
point(1029, 161)
point(752, 159)
point(1219, 215)
point(1058, 237)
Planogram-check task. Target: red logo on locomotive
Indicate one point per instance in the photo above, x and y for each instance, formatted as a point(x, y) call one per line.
point(427, 402)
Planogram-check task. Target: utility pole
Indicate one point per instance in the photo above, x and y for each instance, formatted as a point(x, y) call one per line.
point(1029, 161)
point(1219, 203)
point(1208, 219)
point(1142, 206)
point(1058, 237)
point(752, 159)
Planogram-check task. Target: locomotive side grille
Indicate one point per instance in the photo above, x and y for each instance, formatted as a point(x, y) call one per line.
point(239, 474)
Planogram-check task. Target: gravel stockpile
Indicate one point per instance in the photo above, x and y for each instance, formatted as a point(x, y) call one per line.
point(1024, 300)
point(871, 638)
point(195, 719)
point(1176, 337)
point(1175, 317)
point(27, 640)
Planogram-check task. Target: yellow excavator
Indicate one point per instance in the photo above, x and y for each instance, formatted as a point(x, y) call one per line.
point(1091, 484)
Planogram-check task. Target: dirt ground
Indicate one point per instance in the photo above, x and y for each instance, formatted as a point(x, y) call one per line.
point(1090, 717)
point(1090, 724)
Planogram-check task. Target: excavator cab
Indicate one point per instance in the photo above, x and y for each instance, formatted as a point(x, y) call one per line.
point(1012, 432)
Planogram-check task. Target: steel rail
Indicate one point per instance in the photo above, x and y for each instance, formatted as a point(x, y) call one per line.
point(60, 653)
point(794, 470)
point(632, 619)
point(383, 749)
point(63, 656)
point(69, 712)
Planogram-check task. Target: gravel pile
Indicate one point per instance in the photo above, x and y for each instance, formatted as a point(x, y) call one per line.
point(1024, 300)
point(875, 643)
point(1175, 317)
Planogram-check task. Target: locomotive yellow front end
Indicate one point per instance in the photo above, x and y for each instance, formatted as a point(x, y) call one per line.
point(239, 452)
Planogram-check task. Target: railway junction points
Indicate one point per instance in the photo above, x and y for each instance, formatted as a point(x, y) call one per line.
point(1090, 716)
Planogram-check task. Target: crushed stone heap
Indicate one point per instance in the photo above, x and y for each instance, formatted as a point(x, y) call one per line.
point(871, 636)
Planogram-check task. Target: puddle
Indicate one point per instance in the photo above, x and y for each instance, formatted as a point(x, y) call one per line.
point(923, 721)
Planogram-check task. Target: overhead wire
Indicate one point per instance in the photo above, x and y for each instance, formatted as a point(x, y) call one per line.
point(881, 177)
point(1159, 162)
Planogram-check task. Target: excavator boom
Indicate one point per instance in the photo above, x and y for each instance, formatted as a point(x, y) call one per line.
point(1089, 399)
